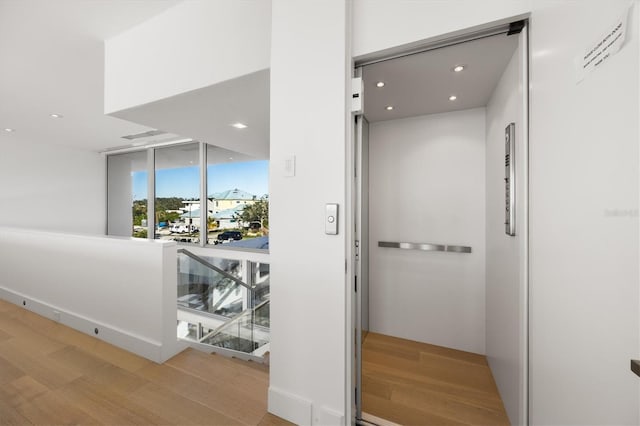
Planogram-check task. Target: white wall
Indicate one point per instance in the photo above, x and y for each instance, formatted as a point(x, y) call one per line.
point(309, 74)
point(506, 287)
point(584, 220)
point(427, 185)
point(191, 45)
point(386, 24)
point(125, 287)
point(53, 188)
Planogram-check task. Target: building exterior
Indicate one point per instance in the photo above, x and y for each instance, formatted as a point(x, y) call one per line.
point(228, 218)
point(231, 199)
point(223, 208)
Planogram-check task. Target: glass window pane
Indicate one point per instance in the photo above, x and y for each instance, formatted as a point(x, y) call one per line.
point(238, 206)
point(127, 194)
point(177, 206)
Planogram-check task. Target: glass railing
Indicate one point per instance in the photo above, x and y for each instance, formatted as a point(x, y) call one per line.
point(245, 333)
point(223, 302)
point(211, 285)
point(259, 276)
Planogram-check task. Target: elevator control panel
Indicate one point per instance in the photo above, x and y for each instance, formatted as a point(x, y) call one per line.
point(331, 219)
point(356, 95)
point(510, 179)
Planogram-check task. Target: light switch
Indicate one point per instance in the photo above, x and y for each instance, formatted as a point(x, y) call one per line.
point(290, 166)
point(331, 219)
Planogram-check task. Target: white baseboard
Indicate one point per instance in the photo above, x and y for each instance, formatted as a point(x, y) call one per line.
point(290, 407)
point(329, 417)
point(138, 345)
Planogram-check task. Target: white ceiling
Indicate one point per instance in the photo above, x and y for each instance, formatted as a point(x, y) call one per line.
point(421, 84)
point(207, 114)
point(53, 62)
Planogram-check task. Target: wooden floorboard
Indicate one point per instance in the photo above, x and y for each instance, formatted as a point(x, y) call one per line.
point(51, 374)
point(413, 383)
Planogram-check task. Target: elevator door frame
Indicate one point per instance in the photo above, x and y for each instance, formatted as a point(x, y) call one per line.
point(359, 238)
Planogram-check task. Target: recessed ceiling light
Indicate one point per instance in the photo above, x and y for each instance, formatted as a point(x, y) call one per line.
point(453, 97)
point(380, 84)
point(239, 125)
point(389, 107)
point(9, 130)
point(458, 68)
point(230, 158)
point(56, 115)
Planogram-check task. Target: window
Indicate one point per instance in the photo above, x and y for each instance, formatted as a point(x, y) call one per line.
point(177, 202)
point(238, 188)
point(127, 194)
point(235, 213)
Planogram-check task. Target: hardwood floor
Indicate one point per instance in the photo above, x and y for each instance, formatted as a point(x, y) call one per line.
point(412, 383)
point(51, 374)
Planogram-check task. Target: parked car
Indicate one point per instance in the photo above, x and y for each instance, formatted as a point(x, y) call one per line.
point(181, 228)
point(229, 235)
point(178, 228)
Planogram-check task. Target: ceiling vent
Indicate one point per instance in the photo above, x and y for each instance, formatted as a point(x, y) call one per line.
point(148, 134)
point(152, 138)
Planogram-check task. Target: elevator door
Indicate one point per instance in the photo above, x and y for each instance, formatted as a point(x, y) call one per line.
point(361, 282)
point(426, 208)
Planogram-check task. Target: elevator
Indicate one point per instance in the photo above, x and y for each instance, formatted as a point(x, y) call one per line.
point(440, 221)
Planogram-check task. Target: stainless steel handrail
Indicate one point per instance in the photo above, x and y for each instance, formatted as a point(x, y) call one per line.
point(215, 268)
point(426, 247)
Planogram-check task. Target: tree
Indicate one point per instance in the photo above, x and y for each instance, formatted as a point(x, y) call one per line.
point(140, 234)
point(164, 216)
point(139, 211)
point(257, 212)
point(162, 205)
point(169, 203)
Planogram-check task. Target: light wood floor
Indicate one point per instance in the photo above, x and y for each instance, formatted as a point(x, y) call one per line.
point(51, 374)
point(412, 383)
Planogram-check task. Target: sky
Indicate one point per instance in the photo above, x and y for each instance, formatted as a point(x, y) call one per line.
point(250, 176)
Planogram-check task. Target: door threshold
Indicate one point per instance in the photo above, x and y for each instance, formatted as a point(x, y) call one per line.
point(370, 419)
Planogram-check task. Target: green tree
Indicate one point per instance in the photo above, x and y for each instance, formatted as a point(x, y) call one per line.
point(162, 205)
point(257, 212)
point(140, 234)
point(169, 203)
point(164, 216)
point(139, 211)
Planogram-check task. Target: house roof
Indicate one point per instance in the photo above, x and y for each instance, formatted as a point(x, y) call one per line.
point(192, 213)
point(228, 213)
point(233, 194)
point(222, 214)
point(261, 243)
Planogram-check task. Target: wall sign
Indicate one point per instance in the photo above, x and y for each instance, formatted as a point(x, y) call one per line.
point(603, 48)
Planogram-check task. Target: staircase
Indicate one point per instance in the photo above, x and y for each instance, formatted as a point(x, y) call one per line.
point(220, 312)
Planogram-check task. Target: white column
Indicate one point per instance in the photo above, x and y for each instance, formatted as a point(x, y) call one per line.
point(309, 75)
